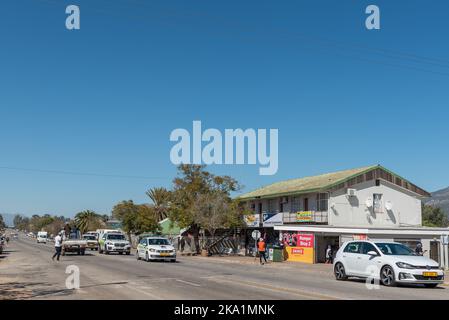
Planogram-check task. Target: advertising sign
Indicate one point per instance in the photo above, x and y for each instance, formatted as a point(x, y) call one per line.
point(304, 216)
point(359, 237)
point(273, 219)
point(299, 246)
point(252, 220)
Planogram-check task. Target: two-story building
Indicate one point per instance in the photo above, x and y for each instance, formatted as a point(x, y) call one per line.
point(365, 203)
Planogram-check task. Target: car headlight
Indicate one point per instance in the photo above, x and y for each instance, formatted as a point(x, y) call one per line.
point(152, 250)
point(404, 265)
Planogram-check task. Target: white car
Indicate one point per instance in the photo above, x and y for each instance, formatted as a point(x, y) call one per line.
point(155, 248)
point(114, 242)
point(390, 262)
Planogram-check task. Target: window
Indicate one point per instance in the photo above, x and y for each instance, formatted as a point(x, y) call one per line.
point(377, 200)
point(322, 201)
point(353, 247)
point(296, 204)
point(306, 204)
point(272, 206)
point(367, 247)
point(143, 241)
point(395, 249)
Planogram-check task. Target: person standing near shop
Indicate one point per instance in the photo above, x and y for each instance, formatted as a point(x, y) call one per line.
point(58, 244)
point(418, 250)
point(329, 254)
point(261, 247)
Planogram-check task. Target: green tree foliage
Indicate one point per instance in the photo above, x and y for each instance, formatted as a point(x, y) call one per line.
point(201, 199)
point(161, 201)
point(135, 218)
point(434, 217)
point(88, 220)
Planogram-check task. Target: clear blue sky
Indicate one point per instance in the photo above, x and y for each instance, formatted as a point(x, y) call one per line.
point(104, 99)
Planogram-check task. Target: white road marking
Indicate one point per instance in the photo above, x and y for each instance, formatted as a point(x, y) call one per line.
point(189, 283)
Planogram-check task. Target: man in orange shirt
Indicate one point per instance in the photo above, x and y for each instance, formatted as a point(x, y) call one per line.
point(262, 249)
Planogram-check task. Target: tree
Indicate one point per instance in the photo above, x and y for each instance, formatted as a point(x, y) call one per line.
point(21, 222)
point(135, 218)
point(434, 217)
point(193, 189)
point(88, 220)
point(2, 223)
point(161, 201)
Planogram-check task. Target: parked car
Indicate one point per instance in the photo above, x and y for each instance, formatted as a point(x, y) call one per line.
point(155, 248)
point(114, 242)
point(390, 262)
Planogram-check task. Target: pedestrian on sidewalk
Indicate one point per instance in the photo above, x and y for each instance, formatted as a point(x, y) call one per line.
point(58, 244)
point(261, 246)
point(329, 254)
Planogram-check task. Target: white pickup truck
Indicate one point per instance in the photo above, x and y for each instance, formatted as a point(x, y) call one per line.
point(73, 243)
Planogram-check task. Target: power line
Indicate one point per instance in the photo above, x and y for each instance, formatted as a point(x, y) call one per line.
point(83, 173)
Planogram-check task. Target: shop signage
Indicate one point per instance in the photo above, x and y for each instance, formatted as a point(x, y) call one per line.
point(359, 237)
point(273, 219)
point(304, 216)
point(299, 246)
point(252, 220)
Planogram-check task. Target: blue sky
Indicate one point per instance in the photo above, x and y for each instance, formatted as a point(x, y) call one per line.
point(104, 99)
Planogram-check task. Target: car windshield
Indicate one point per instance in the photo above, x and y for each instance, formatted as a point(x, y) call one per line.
point(158, 242)
point(89, 237)
point(116, 237)
point(395, 249)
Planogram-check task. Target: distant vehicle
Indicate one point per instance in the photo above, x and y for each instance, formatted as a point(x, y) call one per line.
point(114, 242)
point(390, 262)
point(91, 239)
point(42, 237)
point(155, 248)
point(74, 243)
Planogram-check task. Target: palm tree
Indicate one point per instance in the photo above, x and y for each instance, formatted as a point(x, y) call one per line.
point(161, 201)
point(86, 219)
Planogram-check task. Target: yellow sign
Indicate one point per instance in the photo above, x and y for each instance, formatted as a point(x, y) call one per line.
point(300, 254)
point(304, 216)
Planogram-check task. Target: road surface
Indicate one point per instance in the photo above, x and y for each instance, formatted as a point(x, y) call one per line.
point(27, 272)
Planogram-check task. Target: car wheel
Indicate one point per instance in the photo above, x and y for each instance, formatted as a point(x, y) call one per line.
point(128, 253)
point(137, 255)
point(147, 257)
point(430, 285)
point(120, 253)
point(339, 271)
point(106, 251)
point(173, 260)
point(387, 276)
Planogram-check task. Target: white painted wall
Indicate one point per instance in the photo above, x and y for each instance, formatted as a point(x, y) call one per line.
point(352, 211)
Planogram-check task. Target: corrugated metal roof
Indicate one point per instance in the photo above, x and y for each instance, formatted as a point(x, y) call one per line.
point(307, 184)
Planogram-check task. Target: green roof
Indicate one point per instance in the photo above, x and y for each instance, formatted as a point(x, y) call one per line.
point(307, 184)
point(169, 228)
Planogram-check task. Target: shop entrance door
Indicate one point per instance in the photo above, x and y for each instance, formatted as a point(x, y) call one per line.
point(321, 246)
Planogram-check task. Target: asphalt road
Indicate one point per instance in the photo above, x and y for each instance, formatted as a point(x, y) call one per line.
point(27, 272)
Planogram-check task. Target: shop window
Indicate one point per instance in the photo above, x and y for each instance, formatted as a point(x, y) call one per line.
point(272, 205)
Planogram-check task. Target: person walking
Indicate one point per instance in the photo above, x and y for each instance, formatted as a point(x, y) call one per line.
point(261, 247)
point(329, 254)
point(58, 246)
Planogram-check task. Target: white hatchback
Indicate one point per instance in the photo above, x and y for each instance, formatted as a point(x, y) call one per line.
point(389, 262)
